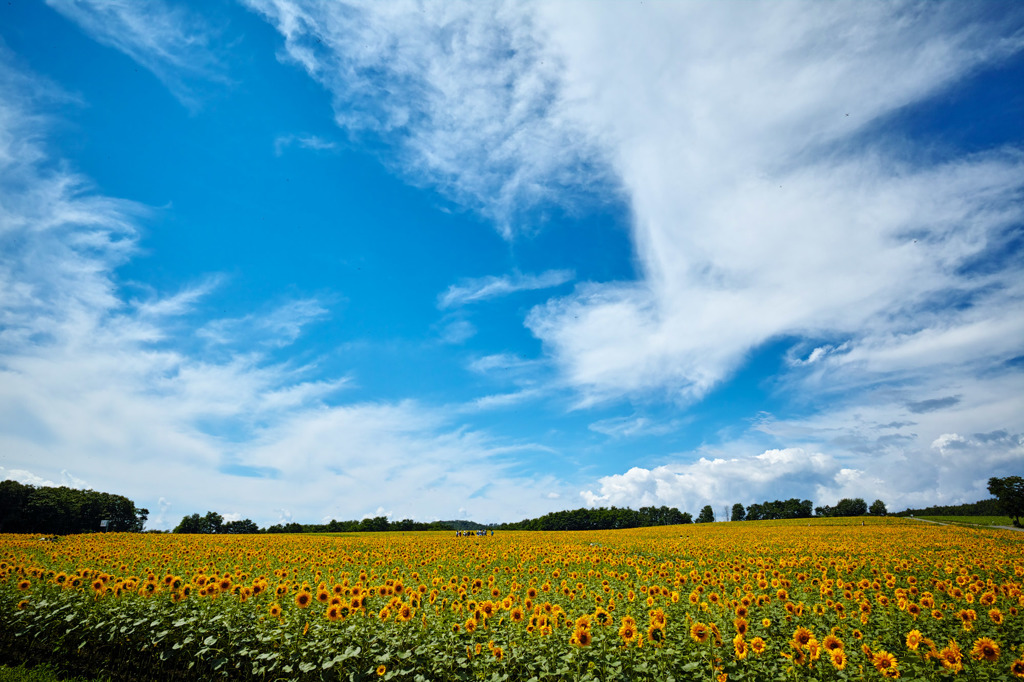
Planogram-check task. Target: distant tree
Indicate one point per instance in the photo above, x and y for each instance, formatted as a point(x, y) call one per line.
point(1010, 493)
point(877, 508)
point(738, 512)
point(707, 515)
point(206, 525)
point(243, 527)
point(845, 507)
point(191, 524)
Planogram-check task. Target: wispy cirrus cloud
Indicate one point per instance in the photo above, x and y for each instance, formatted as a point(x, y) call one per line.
point(484, 288)
point(466, 95)
point(101, 389)
point(769, 196)
point(312, 142)
point(170, 41)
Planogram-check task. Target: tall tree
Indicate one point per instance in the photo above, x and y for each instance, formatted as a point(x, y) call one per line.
point(1010, 493)
point(738, 512)
point(877, 508)
point(707, 515)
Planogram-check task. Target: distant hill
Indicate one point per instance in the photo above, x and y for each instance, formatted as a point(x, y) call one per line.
point(979, 508)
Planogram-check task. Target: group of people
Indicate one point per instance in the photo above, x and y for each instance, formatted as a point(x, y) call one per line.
point(468, 533)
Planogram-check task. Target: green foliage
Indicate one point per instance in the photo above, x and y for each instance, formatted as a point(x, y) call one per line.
point(1010, 493)
point(877, 508)
point(707, 515)
point(847, 506)
point(62, 511)
point(602, 518)
point(738, 512)
point(792, 508)
point(980, 508)
point(40, 673)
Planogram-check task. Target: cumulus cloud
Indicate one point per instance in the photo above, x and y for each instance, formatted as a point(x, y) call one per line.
point(770, 475)
point(473, 290)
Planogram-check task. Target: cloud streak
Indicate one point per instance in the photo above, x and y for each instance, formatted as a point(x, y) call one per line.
point(172, 43)
point(484, 288)
point(467, 96)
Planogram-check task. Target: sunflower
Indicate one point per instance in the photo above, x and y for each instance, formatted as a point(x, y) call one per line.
point(405, 613)
point(498, 653)
point(885, 663)
point(275, 610)
point(740, 646)
point(996, 615)
point(582, 638)
point(333, 613)
point(381, 670)
point(655, 634)
point(627, 632)
point(801, 636)
point(832, 643)
point(517, 615)
point(470, 624)
point(699, 632)
point(914, 639)
point(1017, 669)
point(985, 649)
point(303, 599)
point(24, 585)
point(758, 646)
point(838, 657)
point(23, 604)
point(741, 625)
point(951, 656)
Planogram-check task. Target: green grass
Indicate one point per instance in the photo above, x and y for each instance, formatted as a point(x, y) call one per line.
point(40, 673)
point(971, 520)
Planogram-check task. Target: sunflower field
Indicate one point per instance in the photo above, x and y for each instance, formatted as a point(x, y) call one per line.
point(791, 600)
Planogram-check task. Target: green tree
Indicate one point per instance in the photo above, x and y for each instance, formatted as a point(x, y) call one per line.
point(1010, 493)
point(738, 512)
point(877, 508)
point(244, 526)
point(707, 515)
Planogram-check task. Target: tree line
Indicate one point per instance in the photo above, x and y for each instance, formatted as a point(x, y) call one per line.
point(213, 523)
point(64, 511)
point(988, 507)
point(602, 518)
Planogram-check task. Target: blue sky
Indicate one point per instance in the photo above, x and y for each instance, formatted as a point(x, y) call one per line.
point(312, 260)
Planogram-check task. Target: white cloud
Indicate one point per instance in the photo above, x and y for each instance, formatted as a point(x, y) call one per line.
point(116, 392)
point(473, 290)
point(277, 328)
point(172, 43)
point(313, 142)
point(634, 425)
point(457, 332)
point(771, 475)
point(769, 199)
point(468, 95)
